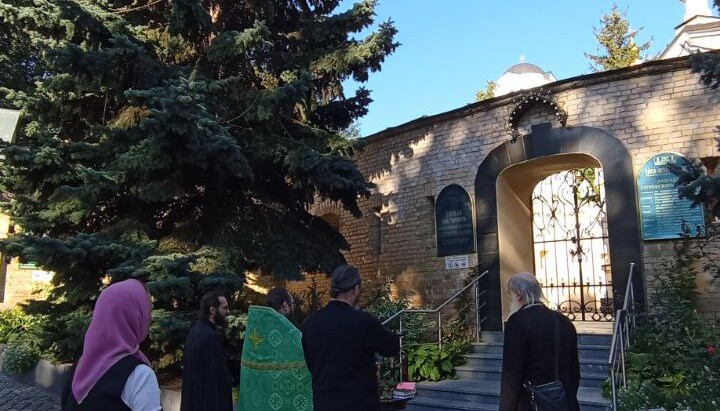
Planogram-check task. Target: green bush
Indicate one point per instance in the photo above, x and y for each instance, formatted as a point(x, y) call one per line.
point(61, 339)
point(429, 362)
point(15, 323)
point(20, 357)
point(673, 361)
point(383, 306)
point(457, 329)
point(308, 302)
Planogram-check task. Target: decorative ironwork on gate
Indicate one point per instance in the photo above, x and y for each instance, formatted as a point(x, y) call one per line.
point(570, 241)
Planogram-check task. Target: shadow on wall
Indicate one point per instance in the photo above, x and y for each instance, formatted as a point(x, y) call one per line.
point(412, 163)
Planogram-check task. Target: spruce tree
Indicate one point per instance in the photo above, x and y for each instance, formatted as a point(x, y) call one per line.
point(487, 93)
point(616, 43)
point(180, 142)
point(694, 183)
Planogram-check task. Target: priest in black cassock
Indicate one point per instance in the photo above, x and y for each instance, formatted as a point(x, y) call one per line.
point(207, 383)
point(531, 345)
point(339, 343)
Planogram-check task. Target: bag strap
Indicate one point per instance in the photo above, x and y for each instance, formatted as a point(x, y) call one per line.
point(557, 347)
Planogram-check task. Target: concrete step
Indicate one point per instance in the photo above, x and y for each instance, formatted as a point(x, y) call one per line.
point(601, 336)
point(492, 336)
point(476, 392)
point(587, 365)
point(484, 360)
point(594, 351)
point(595, 339)
point(433, 404)
point(451, 394)
point(465, 372)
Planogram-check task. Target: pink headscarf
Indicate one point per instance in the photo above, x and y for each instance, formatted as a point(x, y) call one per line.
point(120, 322)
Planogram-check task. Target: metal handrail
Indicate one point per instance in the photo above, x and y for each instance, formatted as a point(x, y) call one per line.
point(441, 306)
point(624, 326)
point(474, 282)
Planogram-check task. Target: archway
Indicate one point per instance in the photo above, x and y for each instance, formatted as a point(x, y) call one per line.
point(508, 175)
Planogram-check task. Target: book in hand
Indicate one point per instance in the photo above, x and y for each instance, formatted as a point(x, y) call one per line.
point(404, 391)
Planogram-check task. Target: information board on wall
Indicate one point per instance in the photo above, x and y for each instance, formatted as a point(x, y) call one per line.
point(456, 262)
point(664, 216)
point(454, 222)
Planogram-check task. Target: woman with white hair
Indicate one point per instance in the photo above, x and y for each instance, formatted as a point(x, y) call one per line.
point(540, 347)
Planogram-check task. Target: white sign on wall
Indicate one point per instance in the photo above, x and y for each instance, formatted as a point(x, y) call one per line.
point(41, 276)
point(456, 262)
point(8, 122)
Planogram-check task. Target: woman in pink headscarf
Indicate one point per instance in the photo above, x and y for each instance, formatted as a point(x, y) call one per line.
point(112, 373)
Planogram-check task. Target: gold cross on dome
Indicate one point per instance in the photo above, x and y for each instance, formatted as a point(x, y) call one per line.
point(255, 338)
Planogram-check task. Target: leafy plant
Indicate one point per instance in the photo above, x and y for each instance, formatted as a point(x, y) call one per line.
point(309, 301)
point(673, 361)
point(458, 329)
point(15, 324)
point(383, 306)
point(429, 362)
point(234, 339)
point(20, 357)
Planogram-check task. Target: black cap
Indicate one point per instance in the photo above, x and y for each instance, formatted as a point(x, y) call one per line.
point(345, 278)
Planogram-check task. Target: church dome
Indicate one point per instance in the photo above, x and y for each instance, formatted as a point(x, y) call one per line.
point(523, 68)
point(522, 76)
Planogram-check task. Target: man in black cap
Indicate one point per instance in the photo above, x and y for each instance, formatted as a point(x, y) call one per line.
point(340, 343)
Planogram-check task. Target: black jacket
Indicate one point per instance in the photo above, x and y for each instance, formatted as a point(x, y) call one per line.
point(340, 345)
point(528, 355)
point(106, 394)
point(206, 382)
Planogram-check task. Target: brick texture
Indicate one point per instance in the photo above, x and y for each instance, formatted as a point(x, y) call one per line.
point(653, 108)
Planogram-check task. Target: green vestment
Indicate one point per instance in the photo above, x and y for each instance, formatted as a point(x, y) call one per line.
point(273, 374)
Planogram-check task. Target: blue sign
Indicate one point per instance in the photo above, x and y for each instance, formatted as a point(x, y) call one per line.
point(664, 216)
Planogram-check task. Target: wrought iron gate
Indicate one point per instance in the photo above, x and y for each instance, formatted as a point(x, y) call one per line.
point(570, 241)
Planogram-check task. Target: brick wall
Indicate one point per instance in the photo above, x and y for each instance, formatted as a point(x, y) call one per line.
point(18, 283)
point(656, 107)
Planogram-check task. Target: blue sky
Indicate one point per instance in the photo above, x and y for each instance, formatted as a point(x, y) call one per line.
point(451, 48)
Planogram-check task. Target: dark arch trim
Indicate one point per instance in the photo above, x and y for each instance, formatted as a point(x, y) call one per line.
point(623, 224)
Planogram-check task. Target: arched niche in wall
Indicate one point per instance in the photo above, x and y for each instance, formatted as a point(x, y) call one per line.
point(454, 222)
point(544, 141)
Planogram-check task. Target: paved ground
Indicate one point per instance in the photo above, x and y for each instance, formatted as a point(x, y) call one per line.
point(18, 397)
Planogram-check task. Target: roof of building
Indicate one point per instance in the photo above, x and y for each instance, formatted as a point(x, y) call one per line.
point(523, 68)
point(644, 69)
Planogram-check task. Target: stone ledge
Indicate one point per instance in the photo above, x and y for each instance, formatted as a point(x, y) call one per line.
point(51, 377)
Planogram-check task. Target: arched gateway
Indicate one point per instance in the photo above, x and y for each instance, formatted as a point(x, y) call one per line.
point(511, 188)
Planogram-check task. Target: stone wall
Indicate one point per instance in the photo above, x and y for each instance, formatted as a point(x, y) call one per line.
point(18, 282)
point(656, 107)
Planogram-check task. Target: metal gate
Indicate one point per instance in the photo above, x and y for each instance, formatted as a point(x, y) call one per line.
point(570, 241)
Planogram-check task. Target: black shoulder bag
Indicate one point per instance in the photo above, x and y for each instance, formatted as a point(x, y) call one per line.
point(550, 396)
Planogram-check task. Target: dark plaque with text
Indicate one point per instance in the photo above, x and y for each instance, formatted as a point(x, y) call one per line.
point(454, 222)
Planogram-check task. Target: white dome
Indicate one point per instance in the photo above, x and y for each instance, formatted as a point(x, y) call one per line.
point(522, 76)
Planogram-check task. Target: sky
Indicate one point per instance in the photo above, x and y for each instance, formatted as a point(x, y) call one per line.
point(451, 48)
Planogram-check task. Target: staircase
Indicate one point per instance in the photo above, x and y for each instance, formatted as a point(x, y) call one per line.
point(477, 387)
